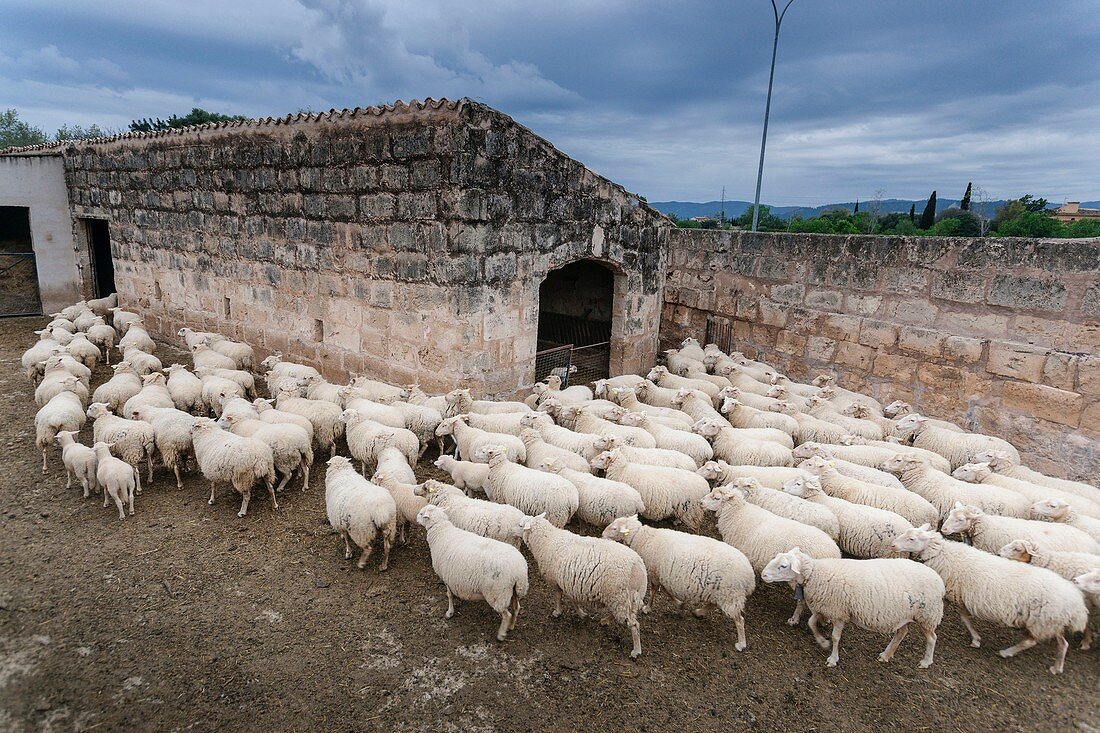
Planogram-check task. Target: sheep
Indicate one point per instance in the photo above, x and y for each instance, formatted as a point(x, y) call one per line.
point(566, 415)
point(743, 416)
point(662, 378)
point(185, 389)
point(569, 395)
point(420, 419)
point(585, 445)
point(744, 445)
point(810, 429)
point(359, 511)
point(325, 418)
point(826, 384)
point(955, 447)
point(131, 440)
point(690, 349)
point(1070, 565)
point(84, 350)
point(787, 504)
point(873, 452)
point(719, 473)
point(881, 595)
point(243, 379)
point(393, 462)
point(981, 473)
point(865, 531)
point(1002, 591)
point(171, 434)
point(55, 382)
point(586, 422)
point(509, 423)
point(373, 389)
point(137, 337)
point(564, 373)
point(899, 409)
point(475, 568)
point(468, 440)
point(539, 450)
point(122, 320)
point(117, 478)
point(666, 492)
point(528, 489)
point(822, 409)
point(33, 357)
point(589, 570)
point(103, 336)
point(227, 458)
point(205, 357)
point(319, 388)
point(63, 412)
point(943, 491)
point(486, 518)
point(859, 471)
point(417, 397)
point(697, 406)
point(657, 457)
point(914, 507)
point(291, 447)
point(376, 411)
point(695, 447)
point(216, 391)
point(466, 475)
point(367, 438)
point(241, 353)
point(142, 361)
point(154, 391)
point(696, 571)
point(116, 391)
point(460, 402)
point(1002, 464)
point(285, 375)
point(680, 365)
point(395, 476)
point(628, 399)
point(603, 386)
point(79, 461)
point(102, 306)
point(191, 337)
point(787, 401)
point(651, 394)
point(1058, 511)
point(761, 535)
point(269, 414)
point(600, 500)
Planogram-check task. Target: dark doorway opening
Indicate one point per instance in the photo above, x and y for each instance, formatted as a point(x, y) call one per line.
point(575, 313)
point(18, 271)
point(99, 247)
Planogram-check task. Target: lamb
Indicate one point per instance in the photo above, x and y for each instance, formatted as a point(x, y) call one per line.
point(865, 531)
point(122, 320)
point(566, 415)
point(787, 400)
point(57, 381)
point(696, 571)
point(244, 380)
point(899, 409)
point(291, 447)
point(586, 422)
point(623, 380)
point(417, 397)
point(719, 473)
point(528, 489)
point(788, 504)
point(811, 429)
point(205, 357)
point(955, 447)
point(539, 450)
point(475, 568)
point(186, 390)
point(61, 360)
point(79, 460)
point(792, 387)
point(943, 491)
point(216, 391)
point(359, 511)
point(690, 349)
point(743, 446)
point(679, 364)
point(743, 416)
point(873, 453)
point(131, 440)
point(241, 353)
point(33, 357)
point(981, 473)
point(823, 409)
point(1002, 591)
point(374, 390)
point(1002, 464)
point(847, 468)
point(1058, 511)
point(826, 384)
point(510, 423)
point(569, 395)
point(460, 402)
point(761, 535)
point(695, 447)
point(651, 394)
point(698, 406)
point(117, 478)
point(117, 390)
point(367, 438)
point(319, 388)
point(656, 457)
point(285, 375)
point(394, 475)
point(600, 500)
point(325, 417)
point(583, 444)
point(102, 306)
point(486, 518)
point(881, 595)
point(628, 399)
point(137, 337)
point(84, 350)
point(376, 411)
point(242, 408)
point(64, 412)
point(914, 507)
point(103, 336)
point(662, 378)
point(171, 434)
point(420, 419)
point(469, 440)
point(267, 413)
point(1070, 565)
point(86, 320)
point(699, 374)
point(142, 361)
point(154, 392)
point(465, 474)
point(227, 458)
point(589, 570)
point(666, 492)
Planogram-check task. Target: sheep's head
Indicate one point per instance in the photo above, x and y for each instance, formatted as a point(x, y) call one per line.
point(313, 379)
point(689, 342)
point(707, 428)
point(786, 567)
point(729, 405)
point(153, 378)
point(916, 539)
point(960, 519)
point(852, 440)
point(996, 459)
point(431, 515)
point(857, 410)
point(445, 427)
point(657, 373)
point(173, 369)
point(809, 450)
point(66, 436)
point(529, 435)
point(681, 396)
point(816, 465)
point(539, 389)
point(897, 408)
point(442, 462)
point(777, 392)
point(1019, 550)
point(528, 524)
point(729, 393)
point(531, 420)
point(351, 418)
point(633, 419)
point(899, 463)
point(604, 460)
point(713, 349)
point(457, 396)
point(975, 473)
point(710, 470)
point(1052, 510)
point(262, 404)
point(784, 407)
point(602, 443)
point(270, 362)
point(747, 484)
point(553, 383)
point(803, 487)
point(337, 463)
point(550, 406)
point(570, 412)
point(491, 454)
point(722, 496)
point(98, 410)
point(228, 421)
point(102, 450)
point(622, 529)
point(203, 426)
point(817, 401)
point(823, 380)
point(550, 465)
point(1089, 582)
point(727, 369)
point(910, 424)
point(600, 388)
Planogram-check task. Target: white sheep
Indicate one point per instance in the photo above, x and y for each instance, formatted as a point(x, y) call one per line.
point(154, 392)
point(741, 415)
point(666, 492)
point(509, 423)
point(789, 505)
point(603, 386)
point(663, 378)
point(811, 429)
point(872, 453)
point(1002, 591)
point(395, 476)
point(569, 395)
point(528, 489)
point(697, 406)
point(171, 433)
point(118, 389)
point(142, 361)
point(420, 419)
point(375, 411)
point(1060, 512)
point(367, 438)
point(475, 568)
point(84, 350)
point(102, 306)
point(57, 381)
point(185, 389)
point(466, 475)
point(865, 531)
point(583, 444)
point(459, 401)
point(696, 571)
point(136, 337)
point(880, 595)
point(117, 478)
point(696, 447)
point(899, 409)
point(205, 357)
point(79, 461)
point(943, 491)
point(241, 353)
point(690, 349)
point(486, 518)
point(680, 364)
point(244, 380)
point(319, 388)
point(122, 320)
point(227, 458)
point(216, 391)
point(744, 446)
point(719, 473)
point(955, 447)
point(33, 357)
point(359, 511)
point(191, 337)
point(589, 570)
point(587, 422)
point(64, 412)
point(1002, 463)
point(61, 359)
point(469, 440)
point(651, 394)
point(914, 507)
point(823, 409)
point(285, 375)
point(325, 418)
point(291, 447)
point(600, 500)
point(1070, 565)
point(538, 450)
point(103, 336)
point(627, 398)
point(264, 410)
point(656, 457)
point(566, 415)
point(131, 440)
point(859, 471)
point(373, 389)
point(981, 473)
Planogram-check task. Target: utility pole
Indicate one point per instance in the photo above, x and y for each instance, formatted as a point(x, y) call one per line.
point(722, 211)
point(767, 110)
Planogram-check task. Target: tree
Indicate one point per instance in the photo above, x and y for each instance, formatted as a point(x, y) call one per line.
point(980, 208)
point(79, 132)
point(14, 132)
point(1016, 207)
point(856, 211)
point(913, 213)
point(966, 224)
point(196, 116)
point(1033, 204)
point(1030, 224)
point(874, 210)
point(767, 222)
point(928, 218)
point(965, 204)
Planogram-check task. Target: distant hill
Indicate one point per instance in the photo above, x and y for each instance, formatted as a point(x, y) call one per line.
point(734, 209)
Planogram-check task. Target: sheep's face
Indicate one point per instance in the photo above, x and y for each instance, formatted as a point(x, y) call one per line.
point(960, 519)
point(689, 342)
point(1089, 582)
point(784, 567)
point(65, 436)
point(524, 528)
point(441, 462)
point(706, 428)
point(270, 362)
point(896, 408)
point(539, 389)
point(721, 496)
point(492, 454)
point(550, 406)
point(996, 459)
point(816, 465)
point(856, 410)
point(910, 424)
point(456, 396)
point(899, 463)
point(622, 529)
point(1051, 509)
point(784, 407)
point(262, 404)
point(1018, 550)
point(529, 420)
point(446, 427)
point(204, 426)
point(803, 486)
point(97, 410)
point(729, 405)
point(727, 370)
point(153, 378)
point(553, 382)
point(710, 470)
point(915, 539)
point(745, 483)
point(527, 435)
point(827, 393)
point(680, 397)
point(972, 472)
point(429, 515)
point(603, 461)
point(337, 462)
point(549, 465)
point(729, 393)
point(808, 450)
point(632, 419)
point(777, 392)
point(604, 443)
point(823, 380)
point(657, 373)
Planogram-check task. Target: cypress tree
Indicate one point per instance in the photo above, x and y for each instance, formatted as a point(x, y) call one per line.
point(857, 207)
point(913, 213)
point(928, 218)
point(965, 205)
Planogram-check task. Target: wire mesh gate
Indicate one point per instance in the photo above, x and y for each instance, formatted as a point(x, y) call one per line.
point(720, 333)
point(574, 364)
point(19, 285)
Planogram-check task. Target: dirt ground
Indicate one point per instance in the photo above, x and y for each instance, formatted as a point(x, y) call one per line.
point(185, 617)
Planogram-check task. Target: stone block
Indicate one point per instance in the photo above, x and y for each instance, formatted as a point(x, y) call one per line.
point(863, 305)
point(841, 328)
point(1090, 418)
point(920, 341)
point(790, 342)
point(1060, 370)
point(771, 314)
point(1016, 361)
point(961, 348)
point(819, 348)
point(877, 334)
point(959, 286)
point(789, 293)
point(1027, 293)
point(828, 300)
point(991, 325)
point(899, 369)
point(1088, 375)
point(914, 311)
point(1047, 403)
point(854, 355)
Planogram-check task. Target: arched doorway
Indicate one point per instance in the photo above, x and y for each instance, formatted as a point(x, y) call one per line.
point(576, 303)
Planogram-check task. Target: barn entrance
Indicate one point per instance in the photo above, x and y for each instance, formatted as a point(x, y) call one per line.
point(98, 235)
point(18, 272)
point(575, 313)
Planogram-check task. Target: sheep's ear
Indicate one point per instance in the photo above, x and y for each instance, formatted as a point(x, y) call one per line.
point(796, 560)
point(926, 527)
point(959, 505)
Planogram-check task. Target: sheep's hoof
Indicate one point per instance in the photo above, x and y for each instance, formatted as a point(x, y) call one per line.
point(830, 662)
point(241, 514)
point(823, 643)
point(1005, 653)
point(925, 664)
point(740, 647)
point(555, 613)
point(635, 653)
point(1055, 670)
point(883, 658)
point(45, 471)
point(792, 621)
point(449, 614)
point(501, 637)
point(210, 502)
point(976, 643)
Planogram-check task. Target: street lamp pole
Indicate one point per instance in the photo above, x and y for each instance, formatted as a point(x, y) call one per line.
point(767, 110)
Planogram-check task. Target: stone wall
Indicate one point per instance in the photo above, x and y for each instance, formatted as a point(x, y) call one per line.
point(407, 242)
point(1000, 335)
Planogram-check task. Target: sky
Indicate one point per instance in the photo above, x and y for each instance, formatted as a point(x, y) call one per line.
point(889, 98)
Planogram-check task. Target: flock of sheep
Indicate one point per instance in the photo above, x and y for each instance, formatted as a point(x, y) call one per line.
point(811, 485)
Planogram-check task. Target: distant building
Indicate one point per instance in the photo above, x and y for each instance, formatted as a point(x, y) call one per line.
point(702, 219)
point(1072, 211)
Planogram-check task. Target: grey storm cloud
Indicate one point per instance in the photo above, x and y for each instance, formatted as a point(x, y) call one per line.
point(666, 98)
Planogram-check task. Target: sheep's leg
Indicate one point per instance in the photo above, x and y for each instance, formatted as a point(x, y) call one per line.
point(739, 623)
point(271, 493)
point(818, 636)
point(332, 449)
point(131, 493)
point(387, 543)
point(648, 605)
point(439, 444)
point(137, 476)
point(106, 503)
point(929, 647)
point(366, 554)
point(505, 624)
point(888, 652)
point(211, 493)
point(149, 460)
point(796, 617)
point(557, 602)
point(68, 475)
point(116, 496)
point(84, 485)
point(450, 604)
point(286, 477)
point(1060, 655)
point(968, 622)
point(514, 609)
point(45, 470)
point(1086, 642)
point(305, 472)
point(635, 636)
point(347, 545)
point(1026, 643)
point(363, 468)
point(245, 496)
point(838, 629)
point(176, 470)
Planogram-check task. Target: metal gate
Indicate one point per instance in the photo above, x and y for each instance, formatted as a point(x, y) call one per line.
point(574, 364)
point(19, 285)
point(720, 333)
